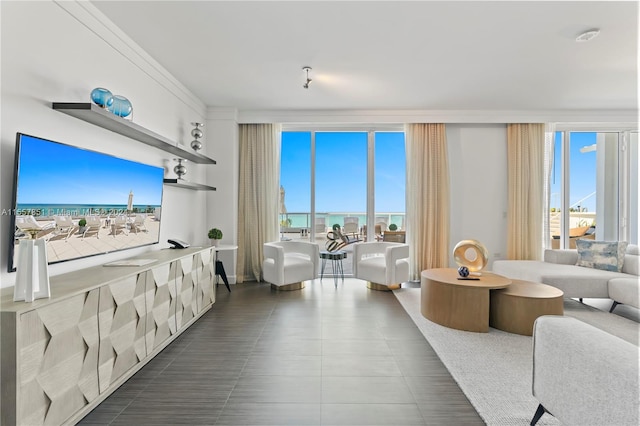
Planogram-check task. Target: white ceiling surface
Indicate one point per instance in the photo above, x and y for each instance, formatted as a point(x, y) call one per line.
point(470, 55)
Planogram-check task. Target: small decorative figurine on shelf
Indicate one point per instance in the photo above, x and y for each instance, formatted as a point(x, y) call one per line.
point(196, 145)
point(180, 169)
point(121, 107)
point(102, 97)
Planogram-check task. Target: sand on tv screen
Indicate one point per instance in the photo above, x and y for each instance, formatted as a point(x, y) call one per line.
point(81, 202)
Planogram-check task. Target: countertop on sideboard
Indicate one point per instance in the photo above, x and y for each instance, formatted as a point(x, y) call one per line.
point(79, 281)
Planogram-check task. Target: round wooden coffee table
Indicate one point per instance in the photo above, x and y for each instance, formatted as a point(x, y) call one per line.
point(459, 304)
point(515, 308)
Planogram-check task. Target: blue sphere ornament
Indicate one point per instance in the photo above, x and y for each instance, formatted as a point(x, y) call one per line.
point(463, 271)
point(121, 106)
point(102, 97)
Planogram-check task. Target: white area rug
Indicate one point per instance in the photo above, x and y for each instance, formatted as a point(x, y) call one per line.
point(494, 369)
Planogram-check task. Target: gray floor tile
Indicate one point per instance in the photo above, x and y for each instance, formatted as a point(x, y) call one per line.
point(365, 390)
point(282, 389)
point(282, 365)
point(371, 414)
point(288, 346)
point(362, 347)
point(353, 365)
point(269, 414)
point(351, 332)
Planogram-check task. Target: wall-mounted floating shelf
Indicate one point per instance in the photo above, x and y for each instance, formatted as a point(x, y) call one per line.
point(93, 114)
point(180, 183)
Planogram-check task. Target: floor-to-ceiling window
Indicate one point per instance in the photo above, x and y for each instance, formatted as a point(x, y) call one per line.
point(390, 182)
point(340, 178)
point(350, 179)
point(592, 187)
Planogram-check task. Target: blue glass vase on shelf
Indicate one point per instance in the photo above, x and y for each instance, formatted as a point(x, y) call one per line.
point(121, 106)
point(102, 97)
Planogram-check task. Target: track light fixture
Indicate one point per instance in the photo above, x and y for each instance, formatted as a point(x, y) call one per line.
point(308, 80)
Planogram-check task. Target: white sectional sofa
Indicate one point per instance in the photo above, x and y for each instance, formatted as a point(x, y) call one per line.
point(583, 375)
point(559, 270)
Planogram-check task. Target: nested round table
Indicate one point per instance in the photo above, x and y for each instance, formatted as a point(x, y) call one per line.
point(459, 304)
point(514, 309)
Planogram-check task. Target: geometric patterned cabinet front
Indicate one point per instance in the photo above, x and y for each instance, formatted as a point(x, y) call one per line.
point(186, 288)
point(63, 355)
point(205, 276)
point(161, 304)
point(57, 358)
point(122, 318)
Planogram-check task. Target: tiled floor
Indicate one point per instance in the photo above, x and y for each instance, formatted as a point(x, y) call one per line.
point(324, 355)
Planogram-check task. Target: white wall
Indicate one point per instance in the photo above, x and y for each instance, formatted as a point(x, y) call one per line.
point(60, 52)
point(222, 206)
point(478, 170)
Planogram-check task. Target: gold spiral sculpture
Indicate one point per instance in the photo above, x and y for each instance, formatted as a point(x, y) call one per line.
point(481, 255)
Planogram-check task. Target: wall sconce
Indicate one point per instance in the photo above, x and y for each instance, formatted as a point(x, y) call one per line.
point(308, 80)
point(196, 145)
point(180, 169)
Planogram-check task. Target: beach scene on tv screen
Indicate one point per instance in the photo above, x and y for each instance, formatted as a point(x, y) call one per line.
point(84, 203)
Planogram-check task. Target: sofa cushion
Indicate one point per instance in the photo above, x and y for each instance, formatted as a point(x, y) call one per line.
point(605, 255)
point(372, 269)
point(574, 281)
point(566, 257)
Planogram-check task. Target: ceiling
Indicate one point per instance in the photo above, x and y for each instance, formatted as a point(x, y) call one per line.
point(388, 55)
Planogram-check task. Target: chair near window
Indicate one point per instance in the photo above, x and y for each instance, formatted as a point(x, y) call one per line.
point(385, 266)
point(351, 226)
point(288, 264)
point(380, 227)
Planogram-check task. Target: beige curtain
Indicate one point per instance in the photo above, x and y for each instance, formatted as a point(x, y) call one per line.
point(427, 197)
point(258, 196)
point(525, 154)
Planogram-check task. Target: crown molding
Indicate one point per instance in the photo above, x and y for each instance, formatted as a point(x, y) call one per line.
point(435, 116)
point(218, 113)
point(95, 21)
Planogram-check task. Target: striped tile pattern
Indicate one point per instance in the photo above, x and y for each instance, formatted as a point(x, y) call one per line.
point(319, 356)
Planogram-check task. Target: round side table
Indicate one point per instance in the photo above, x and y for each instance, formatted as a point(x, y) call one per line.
point(336, 263)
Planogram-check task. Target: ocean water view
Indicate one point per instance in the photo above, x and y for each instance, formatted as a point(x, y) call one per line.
point(77, 210)
point(303, 220)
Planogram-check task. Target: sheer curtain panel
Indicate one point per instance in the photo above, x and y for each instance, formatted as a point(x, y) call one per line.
point(427, 197)
point(525, 156)
point(258, 198)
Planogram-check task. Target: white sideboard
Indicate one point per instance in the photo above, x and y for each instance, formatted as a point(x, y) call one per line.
point(61, 356)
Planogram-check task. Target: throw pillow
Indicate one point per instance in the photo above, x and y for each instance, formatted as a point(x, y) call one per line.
point(605, 255)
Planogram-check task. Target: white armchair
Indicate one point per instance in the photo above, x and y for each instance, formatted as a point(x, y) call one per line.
point(287, 264)
point(381, 264)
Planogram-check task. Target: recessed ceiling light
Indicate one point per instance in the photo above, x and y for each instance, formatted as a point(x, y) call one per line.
point(588, 35)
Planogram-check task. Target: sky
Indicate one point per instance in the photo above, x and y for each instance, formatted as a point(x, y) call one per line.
point(341, 171)
point(54, 173)
point(582, 171)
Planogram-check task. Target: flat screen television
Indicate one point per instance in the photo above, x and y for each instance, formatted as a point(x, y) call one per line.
point(81, 202)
